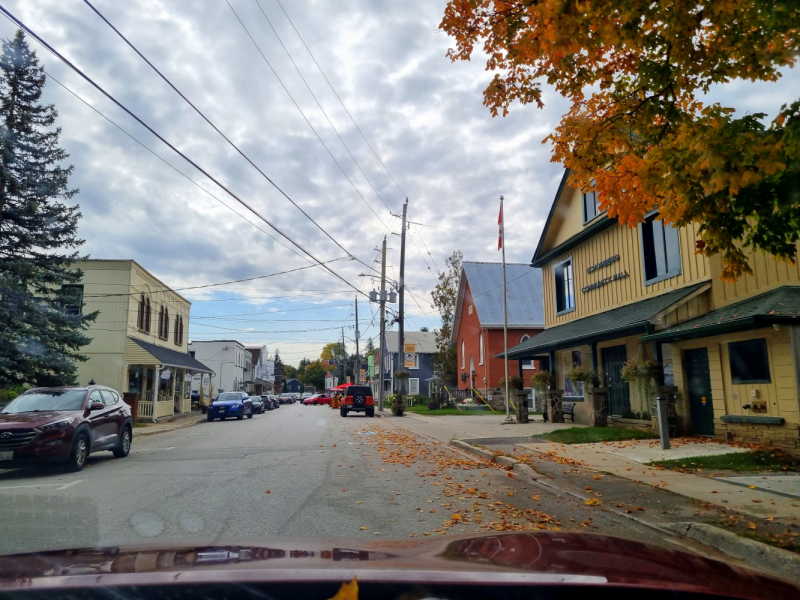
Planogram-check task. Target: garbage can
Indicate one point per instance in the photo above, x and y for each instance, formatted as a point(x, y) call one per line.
point(522, 411)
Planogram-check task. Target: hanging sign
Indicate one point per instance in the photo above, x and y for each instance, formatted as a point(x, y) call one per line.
point(410, 355)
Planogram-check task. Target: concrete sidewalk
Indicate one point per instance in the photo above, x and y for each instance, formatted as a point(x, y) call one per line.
point(629, 460)
point(145, 429)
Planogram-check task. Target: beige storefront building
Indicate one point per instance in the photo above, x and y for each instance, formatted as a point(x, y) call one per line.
point(729, 352)
point(139, 340)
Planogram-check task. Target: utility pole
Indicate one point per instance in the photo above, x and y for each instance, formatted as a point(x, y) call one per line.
point(383, 324)
point(357, 362)
point(401, 290)
point(343, 360)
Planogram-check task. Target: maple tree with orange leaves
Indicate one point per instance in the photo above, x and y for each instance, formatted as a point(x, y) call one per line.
point(637, 130)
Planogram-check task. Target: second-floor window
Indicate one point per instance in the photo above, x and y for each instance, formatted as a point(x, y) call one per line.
point(147, 314)
point(163, 323)
point(178, 334)
point(661, 253)
point(72, 299)
point(140, 313)
point(565, 287)
point(590, 205)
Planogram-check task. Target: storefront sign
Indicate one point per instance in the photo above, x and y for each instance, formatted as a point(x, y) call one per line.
point(602, 282)
point(603, 263)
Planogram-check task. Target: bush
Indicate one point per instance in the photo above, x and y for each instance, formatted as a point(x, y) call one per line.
point(514, 383)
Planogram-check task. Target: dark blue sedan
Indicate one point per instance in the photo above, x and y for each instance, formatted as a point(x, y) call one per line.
point(230, 404)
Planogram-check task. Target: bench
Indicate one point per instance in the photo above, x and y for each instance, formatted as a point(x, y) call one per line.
point(569, 411)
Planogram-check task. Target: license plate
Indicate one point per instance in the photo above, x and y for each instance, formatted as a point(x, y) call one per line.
point(221, 409)
point(6, 455)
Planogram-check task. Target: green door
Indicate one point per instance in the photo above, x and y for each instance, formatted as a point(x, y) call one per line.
point(698, 381)
point(619, 398)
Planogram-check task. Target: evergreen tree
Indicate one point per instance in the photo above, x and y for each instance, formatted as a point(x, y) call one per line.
point(41, 325)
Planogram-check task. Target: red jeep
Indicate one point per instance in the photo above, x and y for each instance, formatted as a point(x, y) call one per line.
point(357, 398)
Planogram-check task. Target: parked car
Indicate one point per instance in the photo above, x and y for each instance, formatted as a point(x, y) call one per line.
point(258, 404)
point(317, 399)
point(64, 424)
point(195, 396)
point(307, 395)
point(276, 403)
point(230, 404)
point(357, 398)
point(266, 403)
point(296, 397)
point(287, 398)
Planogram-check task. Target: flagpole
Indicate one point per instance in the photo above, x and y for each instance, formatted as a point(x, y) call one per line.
point(505, 307)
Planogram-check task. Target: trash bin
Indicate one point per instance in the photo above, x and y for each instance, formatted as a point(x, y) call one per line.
point(522, 411)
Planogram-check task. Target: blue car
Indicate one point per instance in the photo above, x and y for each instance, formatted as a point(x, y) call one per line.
point(230, 404)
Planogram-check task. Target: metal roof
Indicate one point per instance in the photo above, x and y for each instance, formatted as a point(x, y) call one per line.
point(425, 341)
point(629, 319)
point(173, 358)
point(524, 297)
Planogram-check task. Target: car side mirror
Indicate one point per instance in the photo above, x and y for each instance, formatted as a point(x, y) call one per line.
point(96, 406)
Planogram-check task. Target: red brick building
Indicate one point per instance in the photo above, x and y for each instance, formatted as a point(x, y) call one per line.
point(478, 324)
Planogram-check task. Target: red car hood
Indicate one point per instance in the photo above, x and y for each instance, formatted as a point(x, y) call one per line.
point(32, 419)
point(542, 558)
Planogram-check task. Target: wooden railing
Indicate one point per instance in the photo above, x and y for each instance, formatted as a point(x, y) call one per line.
point(145, 408)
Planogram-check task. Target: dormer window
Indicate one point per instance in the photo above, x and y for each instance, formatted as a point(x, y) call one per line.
point(590, 205)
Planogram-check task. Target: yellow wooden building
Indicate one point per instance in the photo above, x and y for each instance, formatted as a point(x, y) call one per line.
point(729, 352)
point(139, 340)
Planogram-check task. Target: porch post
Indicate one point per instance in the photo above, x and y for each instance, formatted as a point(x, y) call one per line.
point(172, 380)
point(156, 385)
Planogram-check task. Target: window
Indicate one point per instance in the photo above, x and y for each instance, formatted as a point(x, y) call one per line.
point(469, 309)
point(72, 299)
point(572, 360)
point(140, 313)
point(147, 314)
point(590, 205)
point(527, 363)
point(565, 287)
point(661, 253)
point(95, 397)
point(178, 335)
point(109, 397)
point(480, 349)
point(462, 354)
point(413, 386)
point(165, 333)
point(749, 361)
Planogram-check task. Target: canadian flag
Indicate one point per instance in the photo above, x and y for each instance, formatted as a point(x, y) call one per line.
point(500, 226)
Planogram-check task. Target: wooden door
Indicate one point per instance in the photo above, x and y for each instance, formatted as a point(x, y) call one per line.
point(619, 398)
point(698, 380)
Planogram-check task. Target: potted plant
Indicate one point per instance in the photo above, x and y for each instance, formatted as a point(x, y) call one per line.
point(542, 381)
point(398, 403)
point(642, 371)
point(514, 383)
point(585, 375)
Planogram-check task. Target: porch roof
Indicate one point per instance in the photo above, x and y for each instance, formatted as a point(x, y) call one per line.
point(781, 305)
point(630, 319)
point(172, 358)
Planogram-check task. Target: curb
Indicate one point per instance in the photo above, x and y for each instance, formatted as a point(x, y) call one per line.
point(755, 553)
point(485, 454)
point(146, 433)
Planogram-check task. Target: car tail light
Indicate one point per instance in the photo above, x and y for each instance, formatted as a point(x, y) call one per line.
point(348, 399)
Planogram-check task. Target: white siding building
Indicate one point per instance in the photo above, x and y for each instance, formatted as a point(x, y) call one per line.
point(228, 360)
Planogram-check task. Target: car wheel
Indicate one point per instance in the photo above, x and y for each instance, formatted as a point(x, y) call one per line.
point(124, 446)
point(210, 417)
point(222, 418)
point(79, 454)
point(250, 416)
point(370, 412)
point(241, 416)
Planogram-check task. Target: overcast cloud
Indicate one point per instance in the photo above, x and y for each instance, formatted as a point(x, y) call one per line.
point(422, 114)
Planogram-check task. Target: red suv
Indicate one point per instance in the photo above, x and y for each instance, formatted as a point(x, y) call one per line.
point(357, 398)
point(64, 425)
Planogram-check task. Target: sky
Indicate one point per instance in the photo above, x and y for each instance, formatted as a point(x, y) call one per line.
point(422, 115)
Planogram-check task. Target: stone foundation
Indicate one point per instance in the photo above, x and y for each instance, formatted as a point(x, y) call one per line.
point(784, 437)
point(636, 424)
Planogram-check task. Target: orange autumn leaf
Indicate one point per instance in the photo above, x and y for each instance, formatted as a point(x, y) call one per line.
point(348, 591)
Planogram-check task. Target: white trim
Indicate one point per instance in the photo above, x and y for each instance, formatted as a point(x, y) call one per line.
point(414, 380)
point(480, 348)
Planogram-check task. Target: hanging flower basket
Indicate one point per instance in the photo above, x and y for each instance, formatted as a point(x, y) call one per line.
point(542, 380)
point(514, 383)
point(584, 375)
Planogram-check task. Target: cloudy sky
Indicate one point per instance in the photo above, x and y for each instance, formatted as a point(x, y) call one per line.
point(422, 114)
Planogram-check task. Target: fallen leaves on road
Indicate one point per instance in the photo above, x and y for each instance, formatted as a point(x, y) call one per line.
point(267, 492)
point(592, 502)
point(363, 528)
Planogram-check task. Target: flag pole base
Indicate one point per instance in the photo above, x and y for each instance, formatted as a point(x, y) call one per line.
point(509, 420)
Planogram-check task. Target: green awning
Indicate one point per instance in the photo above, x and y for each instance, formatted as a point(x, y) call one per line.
point(631, 319)
point(781, 305)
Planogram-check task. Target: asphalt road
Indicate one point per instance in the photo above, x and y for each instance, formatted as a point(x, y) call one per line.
point(326, 476)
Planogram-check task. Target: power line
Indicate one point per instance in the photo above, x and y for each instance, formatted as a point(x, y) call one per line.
point(274, 72)
point(208, 285)
point(469, 232)
point(339, 99)
point(173, 148)
point(207, 120)
point(313, 95)
point(422, 239)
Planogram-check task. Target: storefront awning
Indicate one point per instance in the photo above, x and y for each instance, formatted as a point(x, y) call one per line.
point(779, 306)
point(631, 319)
point(171, 358)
